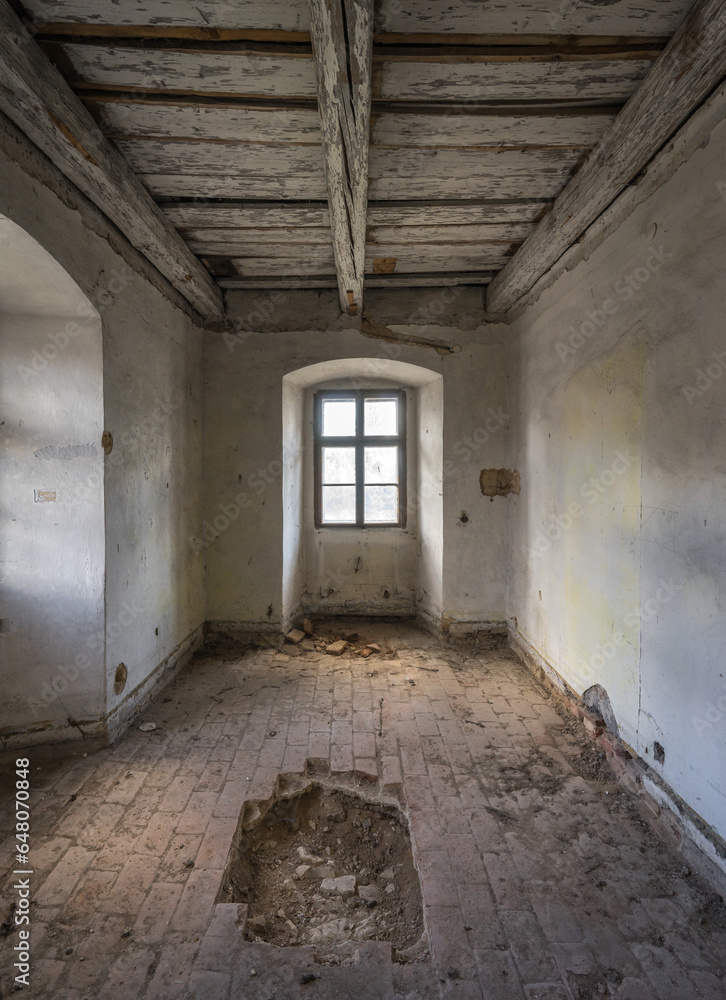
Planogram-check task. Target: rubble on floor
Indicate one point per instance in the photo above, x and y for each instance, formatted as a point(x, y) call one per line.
point(328, 869)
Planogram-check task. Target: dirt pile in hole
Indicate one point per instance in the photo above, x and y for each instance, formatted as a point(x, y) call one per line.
point(329, 870)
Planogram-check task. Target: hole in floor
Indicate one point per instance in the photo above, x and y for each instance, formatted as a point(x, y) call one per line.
point(325, 868)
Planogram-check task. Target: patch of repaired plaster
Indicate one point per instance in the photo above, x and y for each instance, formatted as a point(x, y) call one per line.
point(499, 482)
point(66, 453)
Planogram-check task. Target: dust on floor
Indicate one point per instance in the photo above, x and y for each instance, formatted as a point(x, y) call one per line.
point(539, 876)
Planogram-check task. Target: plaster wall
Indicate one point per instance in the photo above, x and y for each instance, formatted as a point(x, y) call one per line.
point(619, 533)
point(247, 553)
point(151, 391)
point(51, 495)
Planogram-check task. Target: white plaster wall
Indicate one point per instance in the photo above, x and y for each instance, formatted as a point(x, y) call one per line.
point(619, 534)
point(245, 552)
point(51, 553)
point(152, 389)
point(430, 500)
point(293, 544)
point(477, 422)
point(152, 392)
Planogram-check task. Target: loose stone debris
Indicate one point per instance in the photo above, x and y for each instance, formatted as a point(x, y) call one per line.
point(328, 869)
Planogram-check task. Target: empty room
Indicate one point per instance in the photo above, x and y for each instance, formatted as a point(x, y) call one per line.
point(363, 499)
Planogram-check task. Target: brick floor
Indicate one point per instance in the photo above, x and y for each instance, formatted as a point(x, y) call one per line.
point(537, 880)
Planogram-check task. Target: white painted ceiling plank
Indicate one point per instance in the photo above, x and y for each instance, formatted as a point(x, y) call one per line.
point(237, 159)
point(300, 187)
point(457, 128)
point(283, 15)
point(231, 238)
point(152, 120)
point(644, 18)
point(602, 80)
point(424, 235)
point(234, 215)
point(154, 69)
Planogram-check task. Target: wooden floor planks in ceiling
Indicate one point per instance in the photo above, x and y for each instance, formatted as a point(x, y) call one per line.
point(624, 18)
point(267, 15)
point(481, 115)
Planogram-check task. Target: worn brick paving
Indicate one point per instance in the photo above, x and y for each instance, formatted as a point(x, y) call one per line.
point(537, 882)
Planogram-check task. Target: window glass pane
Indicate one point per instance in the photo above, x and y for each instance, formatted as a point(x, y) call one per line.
point(380, 416)
point(338, 465)
point(381, 465)
point(338, 417)
point(339, 504)
point(381, 504)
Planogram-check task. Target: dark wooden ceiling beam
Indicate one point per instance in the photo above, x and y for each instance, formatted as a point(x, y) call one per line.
point(35, 96)
point(342, 35)
point(427, 280)
point(691, 66)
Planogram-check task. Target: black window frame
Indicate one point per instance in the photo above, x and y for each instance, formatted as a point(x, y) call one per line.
point(359, 441)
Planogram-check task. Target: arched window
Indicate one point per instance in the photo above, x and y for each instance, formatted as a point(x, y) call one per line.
point(369, 432)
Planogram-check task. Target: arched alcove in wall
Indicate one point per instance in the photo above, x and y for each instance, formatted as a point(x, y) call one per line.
point(51, 497)
point(370, 570)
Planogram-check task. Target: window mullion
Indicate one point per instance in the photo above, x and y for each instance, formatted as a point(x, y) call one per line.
point(359, 466)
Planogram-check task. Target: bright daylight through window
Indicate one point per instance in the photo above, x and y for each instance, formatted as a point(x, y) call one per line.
point(360, 458)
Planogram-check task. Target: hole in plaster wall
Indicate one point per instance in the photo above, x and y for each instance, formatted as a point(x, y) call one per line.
point(120, 678)
point(658, 753)
point(323, 867)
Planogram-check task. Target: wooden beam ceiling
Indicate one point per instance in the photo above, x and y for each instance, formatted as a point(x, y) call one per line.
point(691, 66)
point(342, 36)
point(35, 96)
point(296, 143)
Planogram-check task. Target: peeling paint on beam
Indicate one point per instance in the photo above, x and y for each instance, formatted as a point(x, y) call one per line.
point(690, 68)
point(39, 101)
point(342, 38)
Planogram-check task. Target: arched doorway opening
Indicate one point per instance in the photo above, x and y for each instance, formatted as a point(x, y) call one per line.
point(51, 499)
